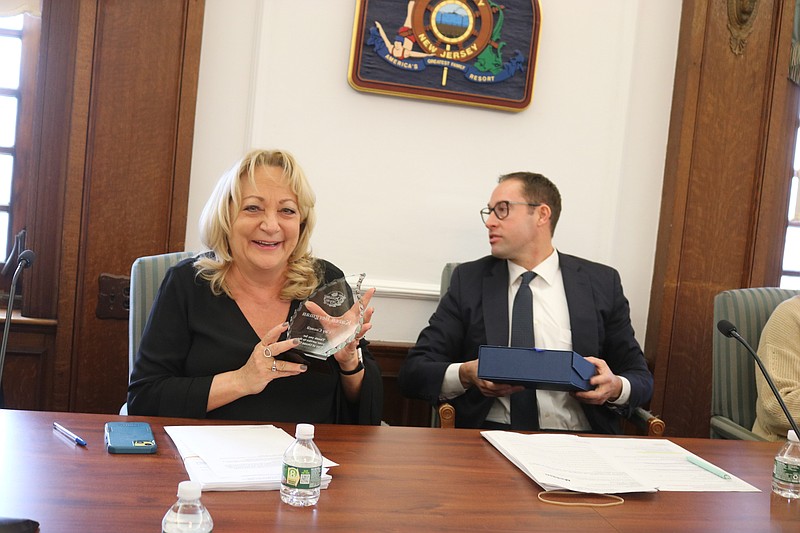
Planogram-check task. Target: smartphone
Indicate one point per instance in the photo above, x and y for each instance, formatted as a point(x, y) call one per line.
point(129, 437)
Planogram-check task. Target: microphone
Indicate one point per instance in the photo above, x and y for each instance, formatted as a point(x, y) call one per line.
point(25, 259)
point(28, 257)
point(729, 330)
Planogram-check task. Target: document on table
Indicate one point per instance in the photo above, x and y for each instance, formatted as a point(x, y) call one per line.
point(243, 457)
point(610, 466)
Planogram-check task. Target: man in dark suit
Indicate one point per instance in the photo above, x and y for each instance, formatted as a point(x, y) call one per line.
point(577, 305)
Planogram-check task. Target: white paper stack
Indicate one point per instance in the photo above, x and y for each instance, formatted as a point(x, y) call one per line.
point(602, 465)
point(235, 457)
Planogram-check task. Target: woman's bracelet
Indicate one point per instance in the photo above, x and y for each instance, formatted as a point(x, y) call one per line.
point(359, 367)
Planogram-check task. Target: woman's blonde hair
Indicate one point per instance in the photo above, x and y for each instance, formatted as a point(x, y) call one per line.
point(224, 205)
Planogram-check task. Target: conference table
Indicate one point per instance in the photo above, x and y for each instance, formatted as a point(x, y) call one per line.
point(389, 479)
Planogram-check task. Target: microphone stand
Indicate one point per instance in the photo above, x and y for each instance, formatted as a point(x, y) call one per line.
point(25, 260)
point(729, 330)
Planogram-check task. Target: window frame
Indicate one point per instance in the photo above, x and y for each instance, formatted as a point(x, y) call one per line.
point(23, 182)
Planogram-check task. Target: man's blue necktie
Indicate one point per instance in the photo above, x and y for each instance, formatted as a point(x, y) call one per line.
point(524, 411)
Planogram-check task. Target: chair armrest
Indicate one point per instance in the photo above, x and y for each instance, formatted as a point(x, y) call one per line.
point(644, 419)
point(725, 428)
point(447, 415)
point(648, 423)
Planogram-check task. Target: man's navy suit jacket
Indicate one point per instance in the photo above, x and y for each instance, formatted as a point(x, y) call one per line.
point(474, 312)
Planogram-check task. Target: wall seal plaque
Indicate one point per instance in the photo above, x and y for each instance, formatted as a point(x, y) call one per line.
point(474, 52)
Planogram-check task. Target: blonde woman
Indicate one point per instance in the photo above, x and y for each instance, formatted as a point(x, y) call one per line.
point(219, 320)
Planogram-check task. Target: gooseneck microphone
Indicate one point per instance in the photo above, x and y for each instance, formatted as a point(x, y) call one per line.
point(729, 330)
point(25, 260)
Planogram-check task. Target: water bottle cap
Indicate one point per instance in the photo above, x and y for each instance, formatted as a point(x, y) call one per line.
point(189, 490)
point(792, 436)
point(304, 431)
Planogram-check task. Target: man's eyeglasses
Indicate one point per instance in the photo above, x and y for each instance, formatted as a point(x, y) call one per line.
point(501, 209)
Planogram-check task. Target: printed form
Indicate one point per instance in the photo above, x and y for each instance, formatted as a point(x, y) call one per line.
point(611, 465)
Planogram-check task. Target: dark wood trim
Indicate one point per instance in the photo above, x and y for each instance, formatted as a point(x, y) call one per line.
point(780, 131)
point(23, 147)
point(724, 190)
point(190, 70)
point(134, 201)
point(73, 183)
point(112, 139)
point(29, 359)
point(53, 126)
point(397, 409)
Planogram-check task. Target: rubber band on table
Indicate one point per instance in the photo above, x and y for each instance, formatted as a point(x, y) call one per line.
point(616, 500)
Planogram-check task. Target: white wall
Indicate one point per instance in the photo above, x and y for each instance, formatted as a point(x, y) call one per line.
point(597, 126)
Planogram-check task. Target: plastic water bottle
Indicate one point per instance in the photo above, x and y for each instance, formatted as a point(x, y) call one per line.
point(786, 474)
point(302, 469)
point(188, 514)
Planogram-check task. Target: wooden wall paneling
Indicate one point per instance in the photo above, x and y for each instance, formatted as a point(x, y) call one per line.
point(106, 194)
point(130, 182)
point(119, 187)
point(29, 356)
point(23, 148)
point(714, 173)
point(674, 192)
point(55, 121)
point(719, 210)
point(80, 84)
point(59, 136)
point(397, 409)
point(190, 70)
point(782, 122)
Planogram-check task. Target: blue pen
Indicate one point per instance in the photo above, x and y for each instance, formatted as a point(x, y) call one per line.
point(67, 433)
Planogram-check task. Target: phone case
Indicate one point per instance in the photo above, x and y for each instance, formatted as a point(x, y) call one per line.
point(129, 437)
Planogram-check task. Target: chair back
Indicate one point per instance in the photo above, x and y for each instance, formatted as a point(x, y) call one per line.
point(444, 415)
point(447, 272)
point(733, 386)
point(147, 273)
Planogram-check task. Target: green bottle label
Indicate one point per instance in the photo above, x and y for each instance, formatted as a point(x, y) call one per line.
point(299, 477)
point(786, 472)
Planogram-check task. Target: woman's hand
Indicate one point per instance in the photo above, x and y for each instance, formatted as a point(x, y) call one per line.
point(262, 367)
point(347, 357)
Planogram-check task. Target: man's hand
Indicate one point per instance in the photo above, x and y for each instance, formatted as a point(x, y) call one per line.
point(468, 374)
point(607, 385)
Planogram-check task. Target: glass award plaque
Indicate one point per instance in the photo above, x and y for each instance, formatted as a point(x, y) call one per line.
point(327, 320)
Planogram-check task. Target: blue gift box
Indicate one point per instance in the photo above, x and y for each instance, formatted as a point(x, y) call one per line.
point(560, 370)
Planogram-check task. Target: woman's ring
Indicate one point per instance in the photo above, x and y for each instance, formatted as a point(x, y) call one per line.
point(274, 366)
point(268, 353)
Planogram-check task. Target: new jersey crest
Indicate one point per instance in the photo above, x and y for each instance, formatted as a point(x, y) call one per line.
point(478, 52)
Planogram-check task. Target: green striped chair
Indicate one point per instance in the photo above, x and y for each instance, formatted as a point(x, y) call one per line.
point(733, 385)
point(146, 276)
